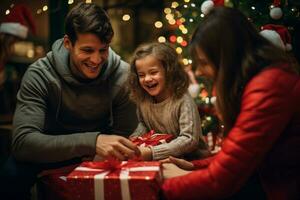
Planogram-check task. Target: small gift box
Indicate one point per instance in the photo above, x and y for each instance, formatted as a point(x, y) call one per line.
point(112, 181)
point(152, 139)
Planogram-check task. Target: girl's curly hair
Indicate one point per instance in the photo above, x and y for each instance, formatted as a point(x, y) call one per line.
point(176, 78)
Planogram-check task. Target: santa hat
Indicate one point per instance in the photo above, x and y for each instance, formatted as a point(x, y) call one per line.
point(208, 5)
point(18, 22)
point(278, 35)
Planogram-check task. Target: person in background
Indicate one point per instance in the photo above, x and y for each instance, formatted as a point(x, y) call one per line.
point(14, 27)
point(158, 86)
point(72, 104)
point(258, 90)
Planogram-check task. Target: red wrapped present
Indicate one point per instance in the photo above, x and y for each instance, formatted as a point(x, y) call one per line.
point(152, 139)
point(52, 184)
point(113, 181)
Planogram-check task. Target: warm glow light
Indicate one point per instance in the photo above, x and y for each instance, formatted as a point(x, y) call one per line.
point(185, 6)
point(184, 43)
point(202, 15)
point(181, 27)
point(30, 53)
point(193, 5)
point(161, 39)
point(179, 39)
point(126, 17)
point(184, 31)
point(7, 12)
point(190, 61)
point(169, 16)
point(45, 8)
point(167, 10)
point(178, 14)
point(172, 38)
point(186, 1)
point(174, 4)
point(158, 24)
point(179, 50)
point(172, 21)
point(185, 61)
point(88, 1)
point(39, 11)
point(70, 1)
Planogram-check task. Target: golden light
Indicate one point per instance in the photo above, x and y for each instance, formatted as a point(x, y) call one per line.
point(167, 10)
point(7, 12)
point(184, 31)
point(174, 4)
point(186, 1)
point(70, 1)
point(179, 50)
point(161, 39)
point(169, 16)
point(88, 1)
point(179, 39)
point(181, 27)
point(39, 11)
point(126, 17)
point(172, 21)
point(158, 24)
point(182, 19)
point(185, 61)
point(30, 53)
point(45, 8)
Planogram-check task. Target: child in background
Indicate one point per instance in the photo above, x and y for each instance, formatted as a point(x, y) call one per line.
point(158, 86)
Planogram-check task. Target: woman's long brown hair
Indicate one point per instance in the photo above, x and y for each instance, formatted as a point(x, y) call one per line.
point(237, 52)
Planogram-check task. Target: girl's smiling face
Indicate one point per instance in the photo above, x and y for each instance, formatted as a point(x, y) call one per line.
point(151, 75)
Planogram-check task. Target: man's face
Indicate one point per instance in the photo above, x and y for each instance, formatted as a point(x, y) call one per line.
point(87, 54)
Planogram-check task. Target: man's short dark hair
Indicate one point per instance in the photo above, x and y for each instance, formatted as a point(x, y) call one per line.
point(88, 18)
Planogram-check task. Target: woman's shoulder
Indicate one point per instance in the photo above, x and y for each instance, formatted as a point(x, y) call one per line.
point(272, 76)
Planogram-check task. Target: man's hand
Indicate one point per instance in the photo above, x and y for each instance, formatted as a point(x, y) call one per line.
point(114, 146)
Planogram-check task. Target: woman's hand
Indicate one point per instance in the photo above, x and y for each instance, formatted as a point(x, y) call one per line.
point(173, 167)
point(171, 170)
point(181, 163)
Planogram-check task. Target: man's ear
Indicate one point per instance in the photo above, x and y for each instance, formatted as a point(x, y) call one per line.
point(67, 42)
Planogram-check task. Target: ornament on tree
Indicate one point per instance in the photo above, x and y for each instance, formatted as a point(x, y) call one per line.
point(275, 10)
point(278, 35)
point(208, 5)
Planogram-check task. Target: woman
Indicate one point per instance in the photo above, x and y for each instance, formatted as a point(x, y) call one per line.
point(258, 94)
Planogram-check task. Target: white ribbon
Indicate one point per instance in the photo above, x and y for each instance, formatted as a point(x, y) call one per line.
point(124, 177)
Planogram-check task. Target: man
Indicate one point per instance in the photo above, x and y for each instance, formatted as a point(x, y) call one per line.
point(71, 101)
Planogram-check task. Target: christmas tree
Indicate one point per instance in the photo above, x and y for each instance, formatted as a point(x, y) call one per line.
point(183, 16)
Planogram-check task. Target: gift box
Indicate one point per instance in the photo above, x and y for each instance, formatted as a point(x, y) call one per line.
point(152, 139)
point(52, 184)
point(107, 181)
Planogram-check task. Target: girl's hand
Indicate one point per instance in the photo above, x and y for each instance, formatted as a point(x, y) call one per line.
point(171, 170)
point(146, 153)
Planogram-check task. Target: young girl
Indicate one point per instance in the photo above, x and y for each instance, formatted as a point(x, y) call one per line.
point(159, 85)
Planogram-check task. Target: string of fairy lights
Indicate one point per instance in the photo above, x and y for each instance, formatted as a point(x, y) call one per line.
point(180, 17)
